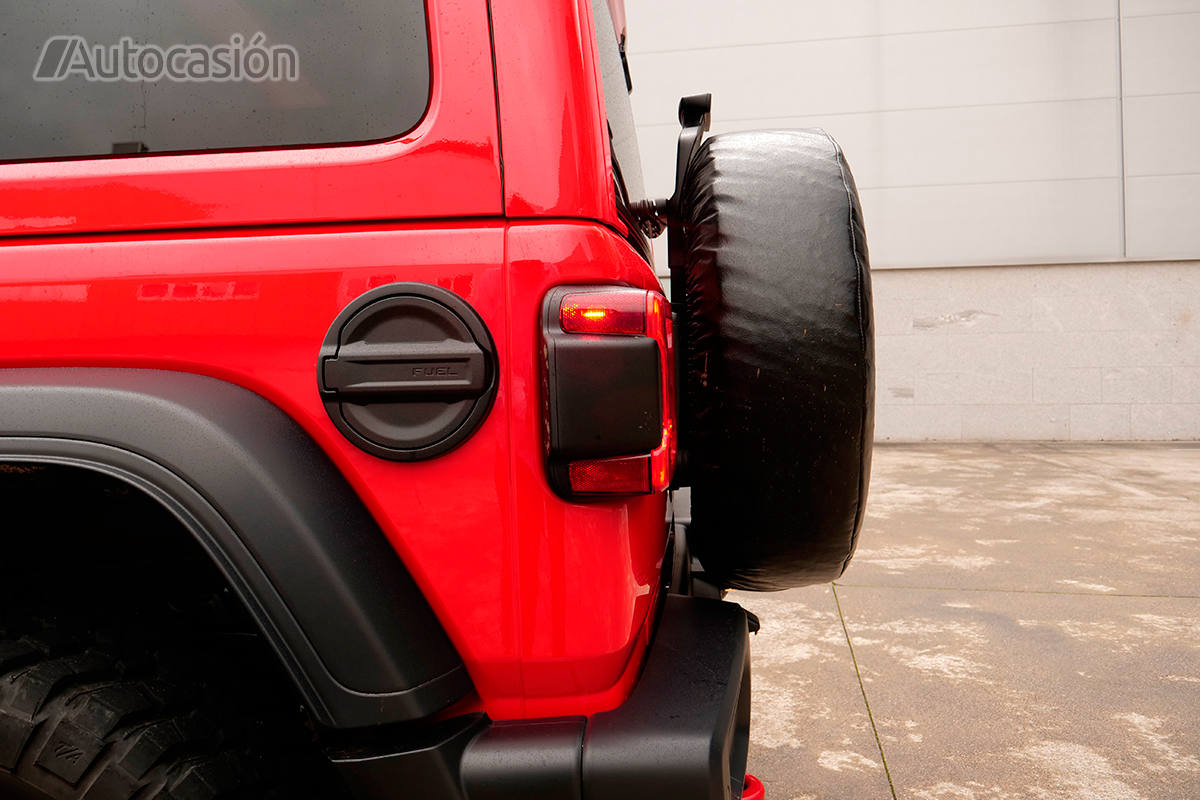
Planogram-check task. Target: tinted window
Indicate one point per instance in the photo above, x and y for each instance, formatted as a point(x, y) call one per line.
point(616, 103)
point(93, 77)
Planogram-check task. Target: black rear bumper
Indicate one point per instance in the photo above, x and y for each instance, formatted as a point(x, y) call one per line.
point(682, 733)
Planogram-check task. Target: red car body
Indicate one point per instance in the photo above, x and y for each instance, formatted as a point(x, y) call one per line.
point(233, 264)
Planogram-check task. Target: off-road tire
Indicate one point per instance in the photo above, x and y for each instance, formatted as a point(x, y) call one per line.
point(82, 720)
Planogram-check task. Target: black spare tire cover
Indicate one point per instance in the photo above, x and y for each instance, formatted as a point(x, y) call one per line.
point(779, 409)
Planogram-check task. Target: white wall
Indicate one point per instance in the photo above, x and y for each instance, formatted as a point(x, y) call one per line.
point(1161, 57)
point(983, 134)
point(980, 132)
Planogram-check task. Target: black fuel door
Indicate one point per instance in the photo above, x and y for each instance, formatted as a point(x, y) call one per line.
point(408, 371)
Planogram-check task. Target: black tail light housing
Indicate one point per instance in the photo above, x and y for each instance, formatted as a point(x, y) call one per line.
point(609, 391)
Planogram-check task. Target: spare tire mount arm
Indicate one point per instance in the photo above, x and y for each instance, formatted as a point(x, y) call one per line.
point(653, 216)
point(695, 113)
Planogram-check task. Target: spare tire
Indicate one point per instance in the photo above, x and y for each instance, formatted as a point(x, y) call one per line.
point(778, 412)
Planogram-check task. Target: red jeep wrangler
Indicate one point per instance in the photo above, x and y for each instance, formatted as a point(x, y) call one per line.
point(340, 405)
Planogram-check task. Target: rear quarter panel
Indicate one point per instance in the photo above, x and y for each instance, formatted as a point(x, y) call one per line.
point(233, 265)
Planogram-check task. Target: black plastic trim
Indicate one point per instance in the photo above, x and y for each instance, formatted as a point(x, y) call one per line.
point(537, 759)
point(682, 734)
point(684, 731)
point(337, 371)
point(274, 513)
point(422, 763)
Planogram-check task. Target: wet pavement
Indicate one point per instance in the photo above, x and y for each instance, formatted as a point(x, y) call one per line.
point(1021, 621)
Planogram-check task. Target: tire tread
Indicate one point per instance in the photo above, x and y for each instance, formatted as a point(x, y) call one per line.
point(87, 725)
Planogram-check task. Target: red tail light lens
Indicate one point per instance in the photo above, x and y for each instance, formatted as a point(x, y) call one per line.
point(604, 313)
point(658, 326)
point(611, 476)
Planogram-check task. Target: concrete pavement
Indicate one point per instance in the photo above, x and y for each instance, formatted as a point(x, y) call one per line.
point(1021, 621)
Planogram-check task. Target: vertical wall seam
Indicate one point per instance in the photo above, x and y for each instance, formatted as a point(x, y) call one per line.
point(1121, 128)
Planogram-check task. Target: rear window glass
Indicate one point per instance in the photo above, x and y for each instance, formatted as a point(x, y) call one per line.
point(628, 162)
point(98, 77)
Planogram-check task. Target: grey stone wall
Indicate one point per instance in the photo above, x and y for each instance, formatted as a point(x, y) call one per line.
point(1088, 352)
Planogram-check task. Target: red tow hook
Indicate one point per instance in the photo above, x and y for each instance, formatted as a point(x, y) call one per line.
point(753, 789)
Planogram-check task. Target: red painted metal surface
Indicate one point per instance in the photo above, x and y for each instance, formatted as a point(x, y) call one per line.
point(548, 602)
point(448, 166)
point(544, 599)
point(590, 571)
point(555, 134)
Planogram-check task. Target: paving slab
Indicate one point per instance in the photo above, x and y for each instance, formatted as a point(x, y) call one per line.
point(1099, 519)
point(811, 736)
point(1015, 696)
point(1026, 622)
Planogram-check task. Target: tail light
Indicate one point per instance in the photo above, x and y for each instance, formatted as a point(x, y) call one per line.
point(609, 391)
point(658, 327)
point(604, 313)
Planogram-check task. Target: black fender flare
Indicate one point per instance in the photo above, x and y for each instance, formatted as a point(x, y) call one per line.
point(292, 537)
